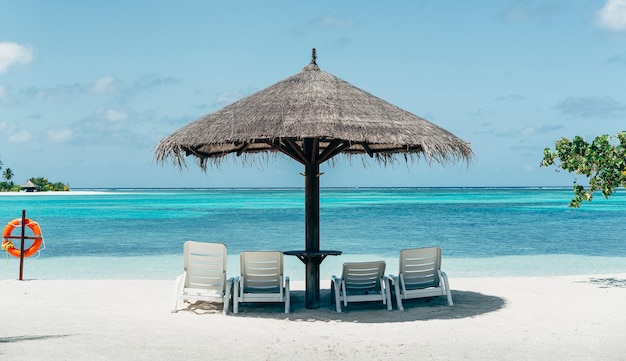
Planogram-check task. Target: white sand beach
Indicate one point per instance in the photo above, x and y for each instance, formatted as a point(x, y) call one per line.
point(533, 318)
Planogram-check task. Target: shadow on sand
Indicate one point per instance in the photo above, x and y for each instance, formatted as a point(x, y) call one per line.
point(466, 304)
point(12, 339)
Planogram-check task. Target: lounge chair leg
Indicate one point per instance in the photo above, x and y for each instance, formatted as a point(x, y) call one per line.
point(447, 286)
point(227, 296)
point(178, 290)
point(335, 286)
point(287, 295)
point(236, 296)
point(396, 283)
point(387, 295)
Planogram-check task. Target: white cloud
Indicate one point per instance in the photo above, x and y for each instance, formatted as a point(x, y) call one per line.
point(619, 59)
point(20, 137)
point(12, 53)
point(60, 135)
point(598, 106)
point(114, 115)
point(228, 98)
point(530, 131)
point(511, 97)
point(527, 10)
point(103, 85)
point(612, 16)
point(329, 20)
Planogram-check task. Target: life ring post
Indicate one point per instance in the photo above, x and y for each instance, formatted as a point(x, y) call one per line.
point(21, 251)
point(22, 244)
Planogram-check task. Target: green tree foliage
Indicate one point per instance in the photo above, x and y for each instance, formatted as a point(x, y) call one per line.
point(7, 185)
point(7, 174)
point(603, 162)
point(43, 185)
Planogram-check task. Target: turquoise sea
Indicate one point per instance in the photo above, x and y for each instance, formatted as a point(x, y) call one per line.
point(139, 233)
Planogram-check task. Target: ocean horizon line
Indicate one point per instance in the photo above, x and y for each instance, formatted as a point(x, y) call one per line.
point(321, 188)
point(120, 190)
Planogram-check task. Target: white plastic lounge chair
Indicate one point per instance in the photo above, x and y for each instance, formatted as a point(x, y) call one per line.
point(261, 280)
point(204, 278)
point(360, 282)
point(420, 275)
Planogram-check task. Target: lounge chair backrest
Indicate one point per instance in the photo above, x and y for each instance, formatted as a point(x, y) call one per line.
point(363, 277)
point(205, 265)
point(419, 267)
point(262, 272)
point(420, 276)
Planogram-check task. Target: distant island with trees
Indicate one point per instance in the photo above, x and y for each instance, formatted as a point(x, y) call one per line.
point(37, 184)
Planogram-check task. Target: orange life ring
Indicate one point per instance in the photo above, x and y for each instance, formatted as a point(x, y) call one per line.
point(7, 244)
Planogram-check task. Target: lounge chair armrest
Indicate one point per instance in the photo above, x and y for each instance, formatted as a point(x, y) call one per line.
point(179, 284)
point(392, 278)
point(236, 286)
point(446, 284)
point(230, 283)
point(180, 280)
point(444, 277)
point(386, 281)
point(336, 292)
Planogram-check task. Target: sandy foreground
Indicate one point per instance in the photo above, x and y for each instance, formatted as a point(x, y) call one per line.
point(539, 318)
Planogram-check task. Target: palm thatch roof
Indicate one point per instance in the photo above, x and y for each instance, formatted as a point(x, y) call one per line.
point(28, 184)
point(312, 104)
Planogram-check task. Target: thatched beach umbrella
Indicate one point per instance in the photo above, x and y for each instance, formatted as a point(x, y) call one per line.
point(312, 117)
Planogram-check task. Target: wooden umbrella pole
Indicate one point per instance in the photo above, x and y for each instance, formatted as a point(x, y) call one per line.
point(312, 233)
point(22, 243)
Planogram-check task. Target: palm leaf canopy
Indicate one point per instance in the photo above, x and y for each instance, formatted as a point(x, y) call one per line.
point(315, 105)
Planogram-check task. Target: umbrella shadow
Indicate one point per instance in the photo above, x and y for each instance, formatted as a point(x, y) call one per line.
point(203, 307)
point(610, 282)
point(466, 304)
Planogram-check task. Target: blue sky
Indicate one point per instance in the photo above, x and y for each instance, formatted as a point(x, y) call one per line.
point(87, 89)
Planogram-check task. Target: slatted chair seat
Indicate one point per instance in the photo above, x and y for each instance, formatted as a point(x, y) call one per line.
point(420, 276)
point(261, 280)
point(204, 276)
point(361, 282)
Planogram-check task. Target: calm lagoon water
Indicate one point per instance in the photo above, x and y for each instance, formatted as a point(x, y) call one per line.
point(138, 233)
